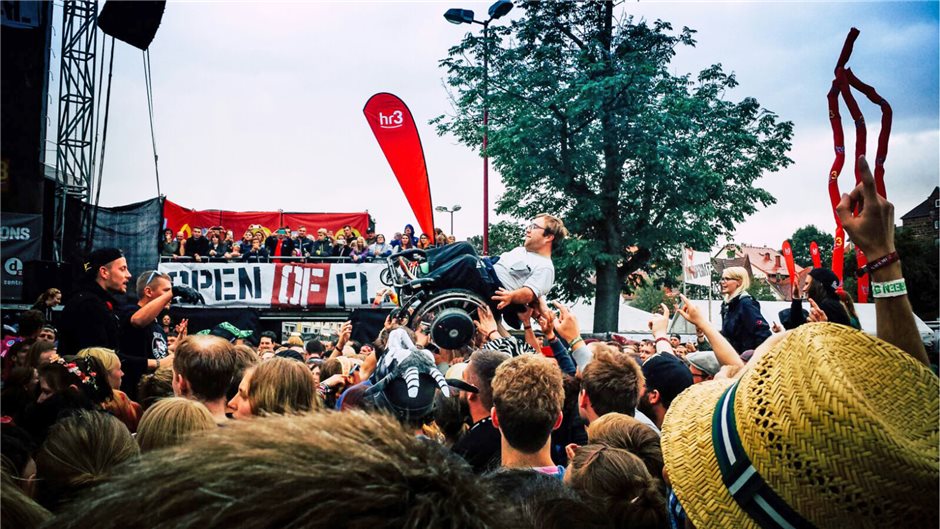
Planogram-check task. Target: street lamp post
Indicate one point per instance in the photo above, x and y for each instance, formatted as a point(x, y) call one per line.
point(465, 16)
point(443, 209)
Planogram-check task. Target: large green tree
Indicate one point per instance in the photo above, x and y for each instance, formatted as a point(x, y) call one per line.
point(800, 242)
point(588, 122)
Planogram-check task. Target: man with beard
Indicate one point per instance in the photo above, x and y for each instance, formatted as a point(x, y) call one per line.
point(480, 446)
point(88, 319)
point(666, 376)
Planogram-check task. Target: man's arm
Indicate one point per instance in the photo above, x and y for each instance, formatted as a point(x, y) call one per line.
point(722, 348)
point(873, 232)
point(145, 315)
point(519, 296)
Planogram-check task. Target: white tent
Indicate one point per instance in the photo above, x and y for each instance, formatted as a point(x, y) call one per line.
point(771, 311)
point(629, 320)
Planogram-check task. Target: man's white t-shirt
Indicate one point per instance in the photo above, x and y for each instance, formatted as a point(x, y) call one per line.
point(519, 268)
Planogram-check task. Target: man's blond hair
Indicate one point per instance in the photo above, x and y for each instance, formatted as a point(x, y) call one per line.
point(554, 226)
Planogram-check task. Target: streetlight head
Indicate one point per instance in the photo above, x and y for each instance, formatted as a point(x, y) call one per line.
point(500, 8)
point(459, 16)
point(456, 208)
point(440, 208)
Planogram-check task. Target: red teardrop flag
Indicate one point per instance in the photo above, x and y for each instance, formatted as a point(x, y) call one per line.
point(395, 130)
point(814, 251)
point(791, 268)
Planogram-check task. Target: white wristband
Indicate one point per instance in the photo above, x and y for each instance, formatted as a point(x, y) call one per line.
point(889, 289)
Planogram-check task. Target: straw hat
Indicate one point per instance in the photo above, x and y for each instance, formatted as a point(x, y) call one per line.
point(841, 427)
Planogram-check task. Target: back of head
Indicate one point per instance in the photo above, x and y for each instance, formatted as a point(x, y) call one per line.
point(207, 363)
point(616, 482)
point(17, 509)
point(528, 396)
point(80, 451)
point(282, 386)
point(482, 365)
point(170, 421)
point(612, 382)
point(36, 350)
point(155, 386)
point(622, 431)
point(30, 323)
point(385, 476)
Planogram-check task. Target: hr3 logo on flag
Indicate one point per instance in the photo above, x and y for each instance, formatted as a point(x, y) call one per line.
point(393, 121)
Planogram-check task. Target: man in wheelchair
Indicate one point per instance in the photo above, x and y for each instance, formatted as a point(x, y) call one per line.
point(509, 281)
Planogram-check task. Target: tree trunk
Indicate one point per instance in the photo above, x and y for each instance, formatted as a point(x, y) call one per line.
point(606, 299)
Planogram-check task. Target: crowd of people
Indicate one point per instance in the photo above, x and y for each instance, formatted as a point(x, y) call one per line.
point(123, 418)
point(216, 244)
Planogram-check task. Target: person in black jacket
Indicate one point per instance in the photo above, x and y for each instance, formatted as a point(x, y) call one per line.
point(742, 323)
point(821, 285)
point(143, 342)
point(279, 244)
point(88, 319)
point(196, 246)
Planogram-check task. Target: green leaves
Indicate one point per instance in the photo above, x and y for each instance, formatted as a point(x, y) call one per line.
point(587, 122)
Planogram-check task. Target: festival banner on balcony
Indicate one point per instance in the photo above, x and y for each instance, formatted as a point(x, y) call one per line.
point(287, 285)
point(179, 218)
point(395, 130)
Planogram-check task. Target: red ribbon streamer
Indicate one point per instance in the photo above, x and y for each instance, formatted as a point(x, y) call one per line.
point(814, 252)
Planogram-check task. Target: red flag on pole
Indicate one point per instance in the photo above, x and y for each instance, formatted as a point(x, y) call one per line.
point(395, 130)
point(838, 253)
point(791, 268)
point(814, 251)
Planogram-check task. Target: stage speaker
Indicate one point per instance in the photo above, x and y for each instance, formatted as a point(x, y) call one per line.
point(135, 23)
point(38, 276)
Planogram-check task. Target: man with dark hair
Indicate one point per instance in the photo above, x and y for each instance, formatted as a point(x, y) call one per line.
point(197, 246)
point(88, 319)
point(528, 396)
point(302, 245)
point(279, 244)
point(666, 376)
point(480, 446)
point(386, 478)
point(314, 349)
point(675, 340)
point(143, 344)
point(203, 367)
point(267, 342)
point(611, 383)
point(30, 326)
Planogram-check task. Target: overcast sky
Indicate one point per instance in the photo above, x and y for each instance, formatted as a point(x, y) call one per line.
point(258, 106)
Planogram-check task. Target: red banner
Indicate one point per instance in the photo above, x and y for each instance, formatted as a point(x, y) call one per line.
point(788, 256)
point(178, 218)
point(814, 251)
point(395, 130)
point(838, 253)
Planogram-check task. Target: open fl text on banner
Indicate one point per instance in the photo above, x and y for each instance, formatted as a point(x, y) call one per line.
point(281, 285)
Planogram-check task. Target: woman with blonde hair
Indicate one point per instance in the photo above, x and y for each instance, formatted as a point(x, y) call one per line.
point(120, 405)
point(742, 323)
point(170, 421)
point(48, 299)
point(279, 386)
point(80, 451)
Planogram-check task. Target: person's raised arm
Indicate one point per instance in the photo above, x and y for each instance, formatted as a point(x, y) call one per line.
point(872, 231)
point(146, 315)
point(724, 351)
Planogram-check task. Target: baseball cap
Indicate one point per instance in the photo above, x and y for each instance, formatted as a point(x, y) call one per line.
point(666, 374)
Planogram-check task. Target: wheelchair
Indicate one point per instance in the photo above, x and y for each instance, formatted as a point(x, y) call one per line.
point(446, 315)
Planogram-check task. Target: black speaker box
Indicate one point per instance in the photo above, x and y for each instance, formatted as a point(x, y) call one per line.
point(39, 276)
point(135, 23)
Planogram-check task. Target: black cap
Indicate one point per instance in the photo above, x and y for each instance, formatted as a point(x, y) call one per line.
point(668, 375)
point(100, 257)
point(826, 277)
point(291, 354)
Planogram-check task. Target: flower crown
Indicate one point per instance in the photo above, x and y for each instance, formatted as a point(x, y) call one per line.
point(86, 375)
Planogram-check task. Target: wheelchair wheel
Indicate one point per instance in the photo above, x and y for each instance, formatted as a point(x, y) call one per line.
point(385, 276)
point(450, 314)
